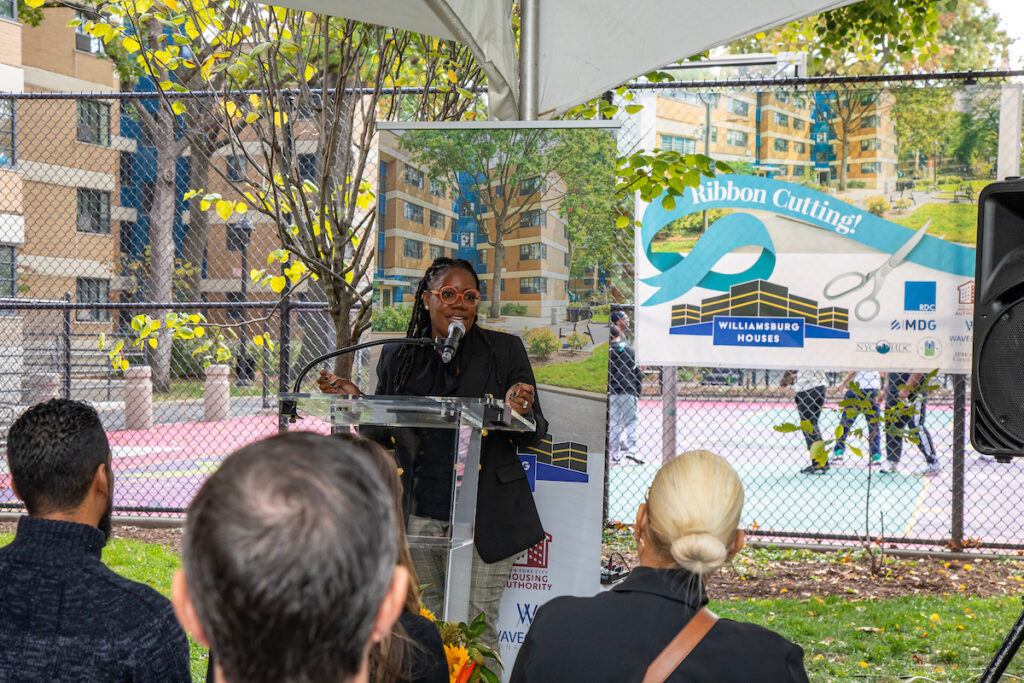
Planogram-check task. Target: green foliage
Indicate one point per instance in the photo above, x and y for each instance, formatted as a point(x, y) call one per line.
point(589, 374)
point(511, 308)
point(541, 342)
point(601, 309)
point(690, 225)
point(952, 180)
point(576, 341)
point(393, 319)
point(877, 205)
point(857, 184)
point(902, 204)
point(953, 222)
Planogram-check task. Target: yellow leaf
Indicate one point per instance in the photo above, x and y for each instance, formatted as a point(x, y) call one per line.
point(178, 108)
point(451, 76)
point(124, 365)
point(277, 283)
point(199, 331)
point(240, 207)
point(204, 204)
point(118, 346)
point(224, 209)
point(34, 3)
point(251, 116)
point(254, 101)
point(349, 276)
point(103, 338)
point(130, 44)
point(280, 118)
point(310, 72)
point(258, 340)
point(231, 109)
point(152, 342)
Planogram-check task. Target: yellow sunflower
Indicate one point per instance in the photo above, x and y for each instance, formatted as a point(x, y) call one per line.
point(424, 612)
point(457, 658)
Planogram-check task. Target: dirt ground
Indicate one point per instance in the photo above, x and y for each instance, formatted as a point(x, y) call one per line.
point(844, 574)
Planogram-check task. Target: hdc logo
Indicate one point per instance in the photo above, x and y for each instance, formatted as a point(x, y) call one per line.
point(919, 296)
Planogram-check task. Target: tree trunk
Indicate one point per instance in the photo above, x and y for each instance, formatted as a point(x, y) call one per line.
point(499, 262)
point(161, 248)
point(339, 305)
point(317, 326)
point(193, 245)
point(845, 154)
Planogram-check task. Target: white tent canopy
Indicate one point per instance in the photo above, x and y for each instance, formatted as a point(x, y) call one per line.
point(583, 47)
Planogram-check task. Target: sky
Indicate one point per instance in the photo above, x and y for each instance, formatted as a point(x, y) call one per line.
point(1011, 14)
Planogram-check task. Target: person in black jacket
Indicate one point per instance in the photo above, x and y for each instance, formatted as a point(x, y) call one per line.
point(625, 380)
point(686, 530)
point(487, 363)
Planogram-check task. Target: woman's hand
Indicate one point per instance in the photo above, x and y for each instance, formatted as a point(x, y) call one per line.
point(332, 384)
point(521, 397)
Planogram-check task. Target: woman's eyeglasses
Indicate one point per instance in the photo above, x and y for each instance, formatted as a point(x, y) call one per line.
point(450, 295)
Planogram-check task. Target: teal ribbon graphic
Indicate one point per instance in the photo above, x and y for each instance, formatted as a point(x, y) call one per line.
point(682, 273)
point(678, 273)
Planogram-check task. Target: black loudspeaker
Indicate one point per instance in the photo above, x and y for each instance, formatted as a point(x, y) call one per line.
point(997, 367)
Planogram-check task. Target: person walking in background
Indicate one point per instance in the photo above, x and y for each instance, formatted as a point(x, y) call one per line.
point(625, 380)
point(870, 384)
point(686, 530)
point(906, 387)
point(810, 386)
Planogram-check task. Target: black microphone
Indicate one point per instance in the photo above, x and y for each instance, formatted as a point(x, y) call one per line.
point(451, 344)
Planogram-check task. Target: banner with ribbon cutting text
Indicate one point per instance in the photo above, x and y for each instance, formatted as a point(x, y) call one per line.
point(787, 276)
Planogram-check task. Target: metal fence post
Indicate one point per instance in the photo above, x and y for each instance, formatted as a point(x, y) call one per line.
point(65, 361)
point(284, 354)
point(669, 397)
point(959, 434)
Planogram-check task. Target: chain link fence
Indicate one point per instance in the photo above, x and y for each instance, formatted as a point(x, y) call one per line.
point(87, 196)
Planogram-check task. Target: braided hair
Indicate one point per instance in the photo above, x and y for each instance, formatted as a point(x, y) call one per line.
point(419, 321)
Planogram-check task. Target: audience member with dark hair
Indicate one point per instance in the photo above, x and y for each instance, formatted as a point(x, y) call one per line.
point(66, 616)
point(413, 651)
point(290, 562)
point(685, 530)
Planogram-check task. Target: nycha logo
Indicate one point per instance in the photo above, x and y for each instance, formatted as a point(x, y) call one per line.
point(919, 297)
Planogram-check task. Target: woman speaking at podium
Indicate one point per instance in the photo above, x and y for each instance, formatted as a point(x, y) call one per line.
point(486, 363)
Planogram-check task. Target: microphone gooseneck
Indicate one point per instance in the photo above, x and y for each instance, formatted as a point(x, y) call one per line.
point(456, 330)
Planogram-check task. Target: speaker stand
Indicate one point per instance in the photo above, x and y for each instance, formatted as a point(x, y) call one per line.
point(1004, 655)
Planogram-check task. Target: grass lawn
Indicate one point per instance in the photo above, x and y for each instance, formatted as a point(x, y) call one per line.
point(600, 318)
point(193, 388)
point(976, 185)
point(683, 244)
point(955, 222)
point(153, 565)
point(589, 374)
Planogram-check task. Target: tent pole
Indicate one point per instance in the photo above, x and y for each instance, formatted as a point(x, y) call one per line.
point(529, 29)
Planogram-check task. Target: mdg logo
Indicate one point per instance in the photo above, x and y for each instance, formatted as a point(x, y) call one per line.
point(912, 324)
point(919, 296)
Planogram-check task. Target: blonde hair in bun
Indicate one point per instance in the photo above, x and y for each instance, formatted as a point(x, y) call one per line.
point(693, 510)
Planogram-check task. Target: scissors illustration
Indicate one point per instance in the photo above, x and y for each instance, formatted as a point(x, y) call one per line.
point(847, 283)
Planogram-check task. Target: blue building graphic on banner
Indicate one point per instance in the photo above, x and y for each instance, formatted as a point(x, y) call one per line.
point(549, 461)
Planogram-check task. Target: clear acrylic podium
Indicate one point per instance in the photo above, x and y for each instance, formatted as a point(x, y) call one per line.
point(468, 419)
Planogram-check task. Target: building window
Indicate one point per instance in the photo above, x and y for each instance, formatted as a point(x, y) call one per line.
point(799, 147)
point(735, 138)
point(436, 252)
point(533, 252)
point(533, 285)
point(6, 132)
point(781, 120)
point(235, 313)
point(8, 271)
point(799, 101)
point(869, 121)
point(94, 122)
point(714, 134)
point(870, 168)
point(307, 167)
point(531, 219)
point(93, 211)
point(436, 188)
point(7, 9)
point(566, 255)
point(782, 96)
point(738, 107)
point(674, 143)
point(798, 124)
point(92, 291)
point(530, 185)
point(821, 157)
point(412, 249)
point(413, 212)
point(237, 167)
point(466, 209)
point(868, 98)
point(83, 41)
point(869, 145)
point(782, 170)
point(467, 240)
point(413, 176)
point(436, 220)
point(781, 145)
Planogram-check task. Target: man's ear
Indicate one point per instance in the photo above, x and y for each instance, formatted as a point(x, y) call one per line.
point(184, 609)
point(101, 480)
point(737, 543)
point(392, 604)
